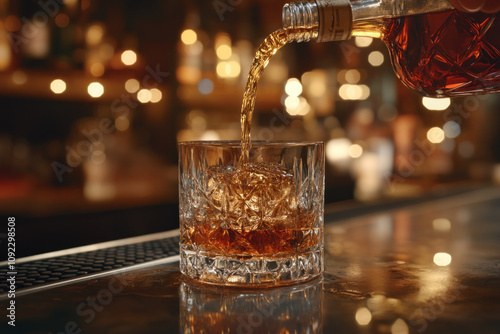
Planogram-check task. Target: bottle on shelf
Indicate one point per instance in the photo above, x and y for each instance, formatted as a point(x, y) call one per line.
point(435, 49)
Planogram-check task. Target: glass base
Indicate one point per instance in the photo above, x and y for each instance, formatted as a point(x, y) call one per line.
point(261, 271)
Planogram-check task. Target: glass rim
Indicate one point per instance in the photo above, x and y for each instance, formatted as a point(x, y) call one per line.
point(256, 143)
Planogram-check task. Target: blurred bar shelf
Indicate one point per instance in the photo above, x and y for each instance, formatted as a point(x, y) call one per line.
point(36, 84)
point(228, 97)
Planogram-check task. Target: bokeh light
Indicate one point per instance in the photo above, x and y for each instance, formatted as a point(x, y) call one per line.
point(210, 135)
point(352, 76)
point(58, 86)
point(122, 123)
point(205, 86)
point(293, 87)
point(297, 106)
point(156, 95)
point(436, 103)
point(354, 92)
point(132, 85)
point(363, 42)
point(442, 259)
point(451, 129)
point(95, 89)
point(94, 34)
point(376, 58)
point(435, 135)
point(441, 224)
point(399, 327)
point(224, 51)
point(363, 316)
point(355, 151)
point(144, 95)
point(19, 77)
point(337, 149)
point(292, 102)
point(129, 57)
point(189, 36)
point(97, 69)
point(228, 69)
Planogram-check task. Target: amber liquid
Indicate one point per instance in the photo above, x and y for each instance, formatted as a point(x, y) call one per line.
point(446, 54)
point(266, 50)
point(253, 210)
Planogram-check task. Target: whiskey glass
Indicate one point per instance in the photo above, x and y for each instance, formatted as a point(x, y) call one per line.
point(258, 223)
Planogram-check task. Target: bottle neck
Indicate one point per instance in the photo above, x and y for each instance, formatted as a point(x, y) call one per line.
point(334, 20)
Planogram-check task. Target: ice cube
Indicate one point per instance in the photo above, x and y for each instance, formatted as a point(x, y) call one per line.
point(250, 197)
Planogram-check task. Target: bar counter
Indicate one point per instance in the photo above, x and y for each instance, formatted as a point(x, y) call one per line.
point(431, 267)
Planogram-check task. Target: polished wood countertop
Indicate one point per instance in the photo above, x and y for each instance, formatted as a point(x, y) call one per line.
point(433, 267)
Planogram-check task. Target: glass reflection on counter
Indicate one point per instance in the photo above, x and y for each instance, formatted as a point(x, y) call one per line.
point(294, 309)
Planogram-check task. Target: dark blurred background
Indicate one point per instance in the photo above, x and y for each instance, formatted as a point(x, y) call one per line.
point(95, 94)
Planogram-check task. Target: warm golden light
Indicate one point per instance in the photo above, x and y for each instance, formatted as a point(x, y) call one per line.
point(317, 88)
point(97, 69)
point(352, 76)
point(376, 58)
point(363, 42)
point(399, 327)
point(441, 224)
point(293, 87)
point(132, 85)
point(95, 89)
point(222, 39)
point(94, 34)
point(297, 106)
point(71, 3)
point(189, 36)
point(122, 123)
point(435, 135)
point(436, 103)
point(129, 57)
point(144, 95)
point(337, 149)
point(19, 77)
point(355, 151)
point(304, 107)
point(363, 316)
point(156, 95)
point(58, 86)
point(224, 52)
point(228, 69)
point(292, 102)
point(354, 92)
point(5, 54)
point(442, 259)
point(210, 135)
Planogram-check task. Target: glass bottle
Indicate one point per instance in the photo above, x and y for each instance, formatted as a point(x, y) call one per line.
point(435, 50)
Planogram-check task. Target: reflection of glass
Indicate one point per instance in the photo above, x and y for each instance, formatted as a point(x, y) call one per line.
point(253, 223)
point(295, 309)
